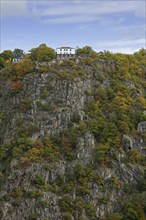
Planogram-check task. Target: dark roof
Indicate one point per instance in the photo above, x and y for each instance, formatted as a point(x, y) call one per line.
point(65, 48)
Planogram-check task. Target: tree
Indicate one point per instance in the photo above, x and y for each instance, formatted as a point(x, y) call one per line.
point(133, 211)
point(2, 63)
point(42, 53)
point(33, 54)
point(141, 52)
point(7, 55)
point(22, 68)
point(86, 51)
point(18, 53)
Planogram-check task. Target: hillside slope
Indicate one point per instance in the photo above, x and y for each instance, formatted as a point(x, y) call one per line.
point(73, 139)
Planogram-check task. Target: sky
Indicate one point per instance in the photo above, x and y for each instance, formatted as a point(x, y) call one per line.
point(114, 25)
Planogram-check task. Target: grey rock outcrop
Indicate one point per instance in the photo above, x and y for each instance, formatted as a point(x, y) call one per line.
point(142, 127)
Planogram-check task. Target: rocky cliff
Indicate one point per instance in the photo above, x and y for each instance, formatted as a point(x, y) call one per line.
point(72, 140)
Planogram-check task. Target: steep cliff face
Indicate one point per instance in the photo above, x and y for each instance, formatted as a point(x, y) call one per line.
point(45, 102)
point(61, 156)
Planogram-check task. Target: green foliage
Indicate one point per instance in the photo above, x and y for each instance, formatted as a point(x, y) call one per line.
point(114, 182)
point(90, 211)
point(88, 92)
point(67, 216)
point(39, 182)
point(100, 154)
point(75, 118)
point(25, 131)
point(7, 55)
point(86, 51)
point(114, 112)
point(66, 204)
point(134, 156)
point(1, 214)
point(24, 105)
point(113, 216)
point(43, 68)
point(133, 212)
point(17, 53)
point(141, 186)
point(43, 203)
point(17, 71)
point(103, 199)
point(83, 172)
point(33, 194)
point(2, 63)
point(42, 53)
point(41, 149)
point(34, 216)
point(82, 177)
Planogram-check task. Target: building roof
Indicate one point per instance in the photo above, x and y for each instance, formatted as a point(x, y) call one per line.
point(65, 48)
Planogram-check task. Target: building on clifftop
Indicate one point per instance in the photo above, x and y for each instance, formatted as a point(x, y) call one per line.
point(65, 52)
point(17, 60)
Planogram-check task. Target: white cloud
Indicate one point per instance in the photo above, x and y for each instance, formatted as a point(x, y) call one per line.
point(123, 46)
point(86, 8)
point(126, 50)
point(65, 10)
point(71, 19)
point(122, 43)
point(13, 7)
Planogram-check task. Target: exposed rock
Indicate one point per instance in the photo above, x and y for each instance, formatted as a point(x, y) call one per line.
point(142, 127)
point(133, 143)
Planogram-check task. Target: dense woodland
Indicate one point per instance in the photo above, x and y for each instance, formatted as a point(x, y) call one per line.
point(116, 105)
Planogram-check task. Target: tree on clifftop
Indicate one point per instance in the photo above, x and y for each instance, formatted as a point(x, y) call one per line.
point(42, 53)
point(86, 51)
point(2, 63)
point(7, 55)
point(18, 53)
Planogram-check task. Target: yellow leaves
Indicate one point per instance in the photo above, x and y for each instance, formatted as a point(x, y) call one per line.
point(134, 155)
point(23, 67)
point(142, 101)
point(33, 154)
point(8, 61)
point(122, 103)
point(127, 75)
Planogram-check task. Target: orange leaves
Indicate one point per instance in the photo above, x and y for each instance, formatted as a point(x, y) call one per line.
point(22, 68)
point(16, 85)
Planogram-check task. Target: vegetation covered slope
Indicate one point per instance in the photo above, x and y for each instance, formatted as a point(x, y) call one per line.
point(73, 136)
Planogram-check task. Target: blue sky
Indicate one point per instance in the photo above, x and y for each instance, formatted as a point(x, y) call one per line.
point(118, 26)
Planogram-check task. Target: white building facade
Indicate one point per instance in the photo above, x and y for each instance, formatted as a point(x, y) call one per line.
point(17, 60)
point(65, 52)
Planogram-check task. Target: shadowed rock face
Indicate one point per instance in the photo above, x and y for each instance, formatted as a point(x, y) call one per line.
point(60, 187)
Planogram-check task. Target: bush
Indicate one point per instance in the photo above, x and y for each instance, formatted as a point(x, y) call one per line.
point(43, 203)
point(90, 211)
point(67, 216)
point(39, 182)
point(34, 216)
point(133, 212)
point(66, 204)
point(114, 216)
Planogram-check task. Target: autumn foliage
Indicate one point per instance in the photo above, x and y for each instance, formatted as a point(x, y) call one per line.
point(16, 85)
